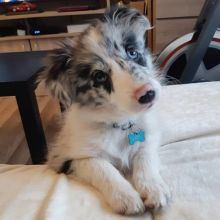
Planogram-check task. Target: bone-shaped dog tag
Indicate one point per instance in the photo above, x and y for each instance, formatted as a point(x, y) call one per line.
point(136, 136)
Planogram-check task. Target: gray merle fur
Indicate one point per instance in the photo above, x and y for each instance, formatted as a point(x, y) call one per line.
point(69, 70)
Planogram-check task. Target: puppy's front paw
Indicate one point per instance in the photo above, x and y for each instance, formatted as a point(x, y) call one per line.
point(154, 193)
point(127, 202)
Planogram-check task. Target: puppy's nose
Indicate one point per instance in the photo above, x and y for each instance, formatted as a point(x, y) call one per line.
point(145, 94)
point(148, 97)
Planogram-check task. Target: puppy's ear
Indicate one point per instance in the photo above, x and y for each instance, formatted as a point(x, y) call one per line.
point(128, 19)
point(55, 74)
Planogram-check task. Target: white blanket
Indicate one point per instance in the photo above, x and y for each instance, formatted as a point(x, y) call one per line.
point(190, 154)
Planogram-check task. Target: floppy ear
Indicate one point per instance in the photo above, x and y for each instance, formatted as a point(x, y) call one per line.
point(55, 74)
point(128, 19)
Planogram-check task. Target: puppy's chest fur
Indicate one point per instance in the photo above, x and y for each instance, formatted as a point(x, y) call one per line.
point(115, 147)
point(81, 138)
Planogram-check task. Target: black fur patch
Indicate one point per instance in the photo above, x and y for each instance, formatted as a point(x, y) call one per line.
point(60, 59)
point(133, 69)
point(141, 60)
point(55, 70)
point(108, 42)
point(82, 89)
point(107, 85)
point(83, 70)
point(130, 40)
point(66, 167)
point(116, 46)
point(121, 64)
point(135, 17)
point(97, 104)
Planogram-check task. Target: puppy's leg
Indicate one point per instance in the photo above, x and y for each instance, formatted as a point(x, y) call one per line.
point(146, 177)
point(117, 191)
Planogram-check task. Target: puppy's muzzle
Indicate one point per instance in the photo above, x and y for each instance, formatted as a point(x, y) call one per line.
point(145, 94)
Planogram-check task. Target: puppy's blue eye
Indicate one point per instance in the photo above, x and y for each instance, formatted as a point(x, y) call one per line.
point(132, 53)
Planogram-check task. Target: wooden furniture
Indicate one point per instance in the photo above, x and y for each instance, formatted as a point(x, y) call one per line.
point(13, 145)
point(50, 14)
point(174, 18)
point(169, 19)
point(18, 72)
point(151, 14)
point(49, 41)
point(42, 42)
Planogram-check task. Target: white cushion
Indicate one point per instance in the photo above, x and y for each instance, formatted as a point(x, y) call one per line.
point(190, 154)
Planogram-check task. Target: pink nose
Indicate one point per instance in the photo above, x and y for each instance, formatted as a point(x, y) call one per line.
point(145, 94)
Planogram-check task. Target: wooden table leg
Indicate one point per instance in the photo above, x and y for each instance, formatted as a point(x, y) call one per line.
point(31, 120)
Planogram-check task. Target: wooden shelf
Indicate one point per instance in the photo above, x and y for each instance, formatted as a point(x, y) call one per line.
point(51, 14)
point(29, 37)
point(48, 41)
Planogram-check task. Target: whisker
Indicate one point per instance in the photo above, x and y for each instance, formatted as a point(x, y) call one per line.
point(170, 80)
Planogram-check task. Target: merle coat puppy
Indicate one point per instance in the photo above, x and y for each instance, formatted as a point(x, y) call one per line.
point(109, 138)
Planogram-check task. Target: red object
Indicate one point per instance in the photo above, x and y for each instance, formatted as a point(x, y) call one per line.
point(24, 6)
point(177, 49)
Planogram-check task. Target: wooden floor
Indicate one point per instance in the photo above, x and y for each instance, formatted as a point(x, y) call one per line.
point(13, 145)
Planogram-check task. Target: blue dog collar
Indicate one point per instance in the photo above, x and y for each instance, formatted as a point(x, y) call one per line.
point(124, 126)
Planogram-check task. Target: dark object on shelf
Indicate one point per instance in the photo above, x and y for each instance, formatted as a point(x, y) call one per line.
point(76, 8)
point(24, 6)
point(8, 31)
point(2, 11)
point(49, 30)
point(18, 72)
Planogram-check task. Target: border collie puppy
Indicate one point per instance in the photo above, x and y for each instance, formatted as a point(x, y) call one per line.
point(106, 80)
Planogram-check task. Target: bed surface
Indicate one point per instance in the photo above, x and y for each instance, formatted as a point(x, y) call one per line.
point(190, 154)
